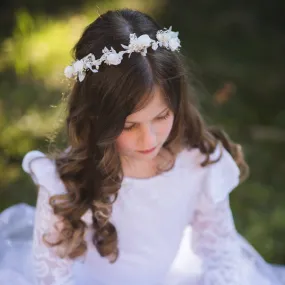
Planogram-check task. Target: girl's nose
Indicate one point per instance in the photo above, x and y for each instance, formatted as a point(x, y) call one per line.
point(148, 137)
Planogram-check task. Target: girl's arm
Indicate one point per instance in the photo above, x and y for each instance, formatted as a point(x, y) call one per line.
point(48, 267)
point(214, 234)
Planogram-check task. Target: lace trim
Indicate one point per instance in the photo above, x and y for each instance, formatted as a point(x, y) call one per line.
point(49, 268)
point(215, 241)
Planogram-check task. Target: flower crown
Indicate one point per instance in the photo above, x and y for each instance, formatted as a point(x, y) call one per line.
point(165, 38)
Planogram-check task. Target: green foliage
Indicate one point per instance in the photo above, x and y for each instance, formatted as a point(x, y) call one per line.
point(236, 50)
point(32, 61)
point(239, 48)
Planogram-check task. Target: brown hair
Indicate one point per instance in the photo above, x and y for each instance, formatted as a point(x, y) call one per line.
point(97, 108)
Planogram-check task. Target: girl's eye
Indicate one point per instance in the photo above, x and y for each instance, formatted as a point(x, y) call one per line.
point(129, 128)
point(164, 117)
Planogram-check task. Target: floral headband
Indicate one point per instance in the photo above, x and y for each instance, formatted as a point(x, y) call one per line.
point(165, 38)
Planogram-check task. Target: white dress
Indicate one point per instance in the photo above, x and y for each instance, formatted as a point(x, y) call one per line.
point(173, 229)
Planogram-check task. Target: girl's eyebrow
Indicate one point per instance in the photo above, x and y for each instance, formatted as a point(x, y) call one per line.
point(153, 118)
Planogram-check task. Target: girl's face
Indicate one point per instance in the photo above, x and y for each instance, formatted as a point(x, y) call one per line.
point(146, 131)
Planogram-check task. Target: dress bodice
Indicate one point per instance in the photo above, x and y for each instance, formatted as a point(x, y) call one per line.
point(149, 214)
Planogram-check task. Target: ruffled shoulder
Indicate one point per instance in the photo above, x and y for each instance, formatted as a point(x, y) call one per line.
point(43, 171)
point(221, 177)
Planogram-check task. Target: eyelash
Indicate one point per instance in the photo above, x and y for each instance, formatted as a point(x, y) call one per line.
point(158, 118)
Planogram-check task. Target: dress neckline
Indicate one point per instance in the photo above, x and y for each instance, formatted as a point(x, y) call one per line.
point(155, 177)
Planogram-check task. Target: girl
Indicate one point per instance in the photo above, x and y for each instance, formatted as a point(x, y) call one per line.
point(140, 196)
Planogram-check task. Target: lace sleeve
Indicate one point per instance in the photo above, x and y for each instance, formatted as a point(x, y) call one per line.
point(49, 268)
point(214, 237)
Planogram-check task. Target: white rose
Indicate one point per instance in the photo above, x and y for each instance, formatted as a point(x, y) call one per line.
point(173, 34)
point(143, 41)
point(154, 45)
point(163, 37)
point(113, 58)
point(69, 71)
point(78, 66)
point(174, 43)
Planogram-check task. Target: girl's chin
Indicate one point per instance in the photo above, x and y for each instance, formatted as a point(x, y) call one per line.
point(137, 155)
point(148, 155)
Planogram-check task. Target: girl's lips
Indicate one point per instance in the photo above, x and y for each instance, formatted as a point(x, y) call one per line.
point(147, 151)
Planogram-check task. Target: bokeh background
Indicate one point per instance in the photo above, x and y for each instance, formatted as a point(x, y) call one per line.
point(236, 52)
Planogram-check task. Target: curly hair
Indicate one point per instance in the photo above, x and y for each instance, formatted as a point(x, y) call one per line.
point(91, 169)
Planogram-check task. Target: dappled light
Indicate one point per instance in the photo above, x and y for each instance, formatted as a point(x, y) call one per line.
point(236, 56)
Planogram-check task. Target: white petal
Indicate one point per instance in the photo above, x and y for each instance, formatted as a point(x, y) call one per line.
point(113, 58)
point(78, 66)
point(159, 36)
point(81, 76)
point(174, 44)
point(69, 71)
point(125, 47)
point(144, 40)
point(154, 45)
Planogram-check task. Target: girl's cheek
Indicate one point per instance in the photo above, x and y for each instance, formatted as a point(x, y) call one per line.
point(125, 141)
point(167, 126)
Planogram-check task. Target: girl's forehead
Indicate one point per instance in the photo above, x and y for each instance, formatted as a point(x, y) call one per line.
point(154, 106)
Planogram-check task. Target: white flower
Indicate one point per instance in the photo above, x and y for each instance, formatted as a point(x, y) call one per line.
point(78, 66)
point(168, 39)
point(69, 71)
point(89, 58)
point(161, 37)
point(81, 75)
point(174, 43)
point(143, 41)
point(113, 58)
point(154, 45)
point(171, 33)
point(139, 44)
point(92, 66)
point(90, 62)
point(165, 38)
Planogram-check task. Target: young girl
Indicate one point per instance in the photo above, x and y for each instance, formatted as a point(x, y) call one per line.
point(140, 196)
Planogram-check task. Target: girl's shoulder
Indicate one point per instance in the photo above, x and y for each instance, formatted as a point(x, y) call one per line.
point(43, 171)
point(193, 157)
point(217, 178)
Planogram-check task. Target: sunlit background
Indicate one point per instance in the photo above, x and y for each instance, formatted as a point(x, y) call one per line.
point(236, 52)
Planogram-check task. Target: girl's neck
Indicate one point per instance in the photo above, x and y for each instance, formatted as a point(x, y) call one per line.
point(146, 169)
point(139, 168)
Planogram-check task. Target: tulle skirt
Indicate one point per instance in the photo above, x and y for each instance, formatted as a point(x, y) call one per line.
point(16, 230)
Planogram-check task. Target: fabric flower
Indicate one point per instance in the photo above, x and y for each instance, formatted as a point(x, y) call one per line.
point(81, 75)
point(111, 56)
point(143, 41)
point(168, 39)
point(78, 66)
point(69, 71)
point(91, 63)
point(165, 38)
point(154, 45)
point(139, 44)
point(174, 44)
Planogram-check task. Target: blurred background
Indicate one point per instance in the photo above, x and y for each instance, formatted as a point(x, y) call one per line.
point(235, 50)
